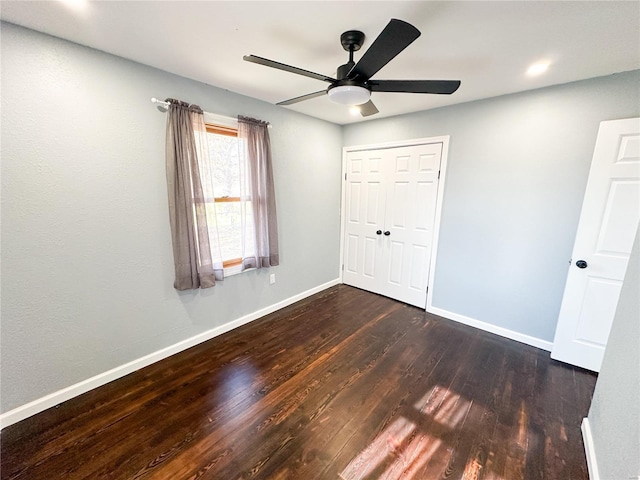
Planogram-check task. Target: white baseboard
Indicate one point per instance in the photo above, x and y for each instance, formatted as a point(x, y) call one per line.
point(48, 401)
point(487, 327)
point(589, 450)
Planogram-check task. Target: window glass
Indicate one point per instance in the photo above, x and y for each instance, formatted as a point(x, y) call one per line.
point(226, 223)
point(223, 152)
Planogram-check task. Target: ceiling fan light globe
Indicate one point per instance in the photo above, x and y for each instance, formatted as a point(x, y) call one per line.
point(349, 95)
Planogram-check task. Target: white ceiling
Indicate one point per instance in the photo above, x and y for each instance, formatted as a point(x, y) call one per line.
point(486, 45)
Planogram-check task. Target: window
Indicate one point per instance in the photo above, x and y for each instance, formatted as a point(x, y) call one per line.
point(224, 210)
point(242, 207)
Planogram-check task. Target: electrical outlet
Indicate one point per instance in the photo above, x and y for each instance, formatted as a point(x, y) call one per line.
point(272, 278)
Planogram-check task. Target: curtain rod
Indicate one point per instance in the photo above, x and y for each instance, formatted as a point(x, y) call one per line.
point(214, 116)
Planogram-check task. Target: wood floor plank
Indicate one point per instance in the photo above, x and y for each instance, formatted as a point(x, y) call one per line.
point(342, 385)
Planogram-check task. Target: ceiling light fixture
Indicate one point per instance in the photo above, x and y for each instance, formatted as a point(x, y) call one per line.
point(537, 68)
point(349, 95)
point(354, 110)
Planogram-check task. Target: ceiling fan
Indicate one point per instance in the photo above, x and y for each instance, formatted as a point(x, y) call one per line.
point(354, 84)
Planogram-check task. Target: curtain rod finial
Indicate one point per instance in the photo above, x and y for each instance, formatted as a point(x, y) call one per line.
point(162, 105)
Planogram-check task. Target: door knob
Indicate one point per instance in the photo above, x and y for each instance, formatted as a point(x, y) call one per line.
point(378, 232)
point(387, 233)
point(581, 264)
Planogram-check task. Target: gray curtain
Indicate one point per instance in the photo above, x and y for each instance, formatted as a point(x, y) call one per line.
point(259, 221)
point(185, 149)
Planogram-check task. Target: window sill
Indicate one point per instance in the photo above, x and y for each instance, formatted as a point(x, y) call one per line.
point(235, 270)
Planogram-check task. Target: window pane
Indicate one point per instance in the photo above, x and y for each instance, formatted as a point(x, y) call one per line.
point(228, 216)
point(223, 151)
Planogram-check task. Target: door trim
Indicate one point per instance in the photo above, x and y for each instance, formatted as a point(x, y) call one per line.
point(444, 140)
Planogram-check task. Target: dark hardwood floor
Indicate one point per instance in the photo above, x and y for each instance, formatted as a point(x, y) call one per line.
point(343, 385)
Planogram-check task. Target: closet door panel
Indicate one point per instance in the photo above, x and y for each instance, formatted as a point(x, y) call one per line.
point(365, 203)
point(412, 180)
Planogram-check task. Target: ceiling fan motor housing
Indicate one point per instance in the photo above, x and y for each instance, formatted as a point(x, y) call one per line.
point(343, 70)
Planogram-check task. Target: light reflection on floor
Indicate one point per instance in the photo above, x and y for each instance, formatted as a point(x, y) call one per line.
point(233, 383)
point(403, 449)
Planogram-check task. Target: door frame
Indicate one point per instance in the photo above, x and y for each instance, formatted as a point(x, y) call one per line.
point(444, 140)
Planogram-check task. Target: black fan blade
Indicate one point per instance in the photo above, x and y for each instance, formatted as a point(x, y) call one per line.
point(308, 96)
point(287, 68)
point(395, 37)
point(444, 87)
point(367, 109)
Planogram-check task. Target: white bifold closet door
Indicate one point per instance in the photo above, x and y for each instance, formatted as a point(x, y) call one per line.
point(390, 207)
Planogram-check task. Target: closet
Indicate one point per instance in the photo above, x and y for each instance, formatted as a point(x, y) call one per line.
point(388, 220)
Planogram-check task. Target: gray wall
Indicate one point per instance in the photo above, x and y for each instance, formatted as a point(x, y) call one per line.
point(517, 172)
point(86, 250)
point(86, 247)
point(614, 416)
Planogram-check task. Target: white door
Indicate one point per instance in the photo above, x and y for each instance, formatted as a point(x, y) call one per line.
point(606, 231)
point(365, 202)
point(390, 210)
